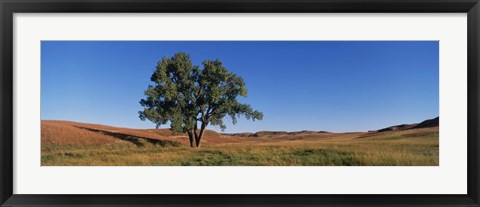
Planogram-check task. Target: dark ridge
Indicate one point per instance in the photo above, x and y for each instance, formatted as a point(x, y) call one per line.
point(307, 132)
point(244, 134)
point(270, 133)
point(429, 123)
point(397, 127)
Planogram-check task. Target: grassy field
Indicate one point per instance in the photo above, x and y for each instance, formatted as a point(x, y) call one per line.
point(70, 143)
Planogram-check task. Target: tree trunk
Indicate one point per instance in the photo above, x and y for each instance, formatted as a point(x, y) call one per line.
point(192, 139)
point(198, 137)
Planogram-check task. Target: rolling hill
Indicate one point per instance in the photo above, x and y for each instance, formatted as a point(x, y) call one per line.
point(67, 143)
point(435, 122)
point(76, 133)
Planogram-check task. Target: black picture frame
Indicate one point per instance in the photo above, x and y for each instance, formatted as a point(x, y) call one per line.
point(9, 7)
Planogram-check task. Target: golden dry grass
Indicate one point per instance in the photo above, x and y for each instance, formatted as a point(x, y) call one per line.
point(71, 143)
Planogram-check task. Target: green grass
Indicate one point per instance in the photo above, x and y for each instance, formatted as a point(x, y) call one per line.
point(382, 149)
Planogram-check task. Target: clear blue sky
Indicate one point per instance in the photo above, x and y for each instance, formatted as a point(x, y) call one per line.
point(298, 85)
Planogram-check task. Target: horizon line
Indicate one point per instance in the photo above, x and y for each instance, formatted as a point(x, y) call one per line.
point(303, 130)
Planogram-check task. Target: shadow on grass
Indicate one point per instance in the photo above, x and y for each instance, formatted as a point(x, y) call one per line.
point(136, 140)
point(325, 157)
point(211, 158)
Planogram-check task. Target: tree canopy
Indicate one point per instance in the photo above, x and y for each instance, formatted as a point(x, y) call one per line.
point(186, 95)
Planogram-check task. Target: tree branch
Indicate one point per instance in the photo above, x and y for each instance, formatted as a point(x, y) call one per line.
point(208, 114)
point(195, 130)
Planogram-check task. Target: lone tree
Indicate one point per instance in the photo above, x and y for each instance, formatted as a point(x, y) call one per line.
point(186, 95)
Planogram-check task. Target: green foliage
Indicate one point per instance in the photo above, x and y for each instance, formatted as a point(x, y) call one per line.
point(184, 94)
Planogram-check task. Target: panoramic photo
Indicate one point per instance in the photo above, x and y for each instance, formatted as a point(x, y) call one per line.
point(240, 103)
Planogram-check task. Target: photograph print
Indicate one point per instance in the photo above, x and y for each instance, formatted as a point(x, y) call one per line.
point(240, 103)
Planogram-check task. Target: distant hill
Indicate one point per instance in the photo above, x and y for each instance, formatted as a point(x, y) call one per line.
point(242, 134)
point(272, 133)
point(429, 123)
point(424, 124)
point(397, 127)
